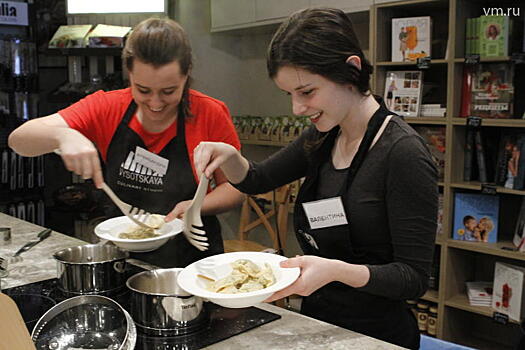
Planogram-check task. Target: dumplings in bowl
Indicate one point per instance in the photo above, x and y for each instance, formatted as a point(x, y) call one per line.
point(273, 278)
point(245, 277)
point(112, 228)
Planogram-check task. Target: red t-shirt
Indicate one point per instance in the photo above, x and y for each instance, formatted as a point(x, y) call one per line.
point(98, 115)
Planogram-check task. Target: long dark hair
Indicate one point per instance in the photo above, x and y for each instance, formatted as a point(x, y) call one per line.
point(159, 41)
point(320, 40)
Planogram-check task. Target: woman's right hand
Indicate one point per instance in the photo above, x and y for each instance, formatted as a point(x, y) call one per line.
point(208, 156)
point(80, 155)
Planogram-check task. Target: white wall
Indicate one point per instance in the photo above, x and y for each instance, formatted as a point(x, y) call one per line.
point(231, 66)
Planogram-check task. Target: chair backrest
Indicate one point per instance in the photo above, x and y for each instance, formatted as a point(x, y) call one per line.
point(279, 210)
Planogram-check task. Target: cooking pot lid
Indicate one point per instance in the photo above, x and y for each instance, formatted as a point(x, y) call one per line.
point(85, 322)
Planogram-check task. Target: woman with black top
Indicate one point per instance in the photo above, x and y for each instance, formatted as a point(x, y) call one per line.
point(365, 216)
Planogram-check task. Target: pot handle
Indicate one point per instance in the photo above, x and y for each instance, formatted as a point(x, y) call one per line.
point(119, 266)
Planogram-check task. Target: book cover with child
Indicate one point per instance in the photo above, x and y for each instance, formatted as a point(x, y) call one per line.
point(476, 217)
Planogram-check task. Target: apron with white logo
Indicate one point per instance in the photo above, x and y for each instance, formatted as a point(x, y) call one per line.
point(155, 192)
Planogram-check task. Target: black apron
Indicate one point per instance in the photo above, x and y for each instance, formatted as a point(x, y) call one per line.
point(158, 194)
point(338, 303)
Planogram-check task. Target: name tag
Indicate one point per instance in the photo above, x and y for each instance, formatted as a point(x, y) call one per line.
point(151, 160)
point(325, 213)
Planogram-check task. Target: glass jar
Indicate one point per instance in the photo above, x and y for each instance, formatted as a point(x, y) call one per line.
point(422, 316)
point(432, 321)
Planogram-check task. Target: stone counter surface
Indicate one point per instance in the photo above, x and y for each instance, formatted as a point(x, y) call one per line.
point(292, 331)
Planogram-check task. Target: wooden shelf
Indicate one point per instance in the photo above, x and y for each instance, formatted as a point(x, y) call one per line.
point(431, 295)
point(495, 249)
point(510, 123)
point(409, 63)
point(460, 301)
point(85, 51)
point(486, 59)
point(426, 120)
point(476, 186)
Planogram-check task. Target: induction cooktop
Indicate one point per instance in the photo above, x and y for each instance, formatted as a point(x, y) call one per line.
point(35, 299)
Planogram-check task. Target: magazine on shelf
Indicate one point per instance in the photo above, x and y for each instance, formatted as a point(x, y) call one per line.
point(403, 92)
point(476, 217)
point(508, 290)
point(411, 38)
point(492, 90)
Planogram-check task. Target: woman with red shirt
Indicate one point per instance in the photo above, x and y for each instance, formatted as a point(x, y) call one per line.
point(145, 135)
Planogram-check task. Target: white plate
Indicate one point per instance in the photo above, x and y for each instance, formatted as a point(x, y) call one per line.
point(111, 228)
point(220, 266)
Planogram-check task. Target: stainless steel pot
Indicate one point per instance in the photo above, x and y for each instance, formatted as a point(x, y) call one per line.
point(160, 307)
point(91, 269)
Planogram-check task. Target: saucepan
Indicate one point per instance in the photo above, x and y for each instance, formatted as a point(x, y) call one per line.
point(160, 307)
point(91, 269)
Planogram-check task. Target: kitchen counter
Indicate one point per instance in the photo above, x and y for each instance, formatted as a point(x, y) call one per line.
point(292, 331)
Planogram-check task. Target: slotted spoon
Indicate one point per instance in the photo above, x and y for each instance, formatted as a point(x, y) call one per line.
point(192, 218)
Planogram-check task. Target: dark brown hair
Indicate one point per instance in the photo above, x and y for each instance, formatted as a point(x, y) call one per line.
point(320, 40)
point(159, 41)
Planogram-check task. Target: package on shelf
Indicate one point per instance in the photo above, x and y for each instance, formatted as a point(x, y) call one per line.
point(104, 35)
point(73, 35)
point(411, 38)
point(276, 129)
point(508, 290)
point(264, 129)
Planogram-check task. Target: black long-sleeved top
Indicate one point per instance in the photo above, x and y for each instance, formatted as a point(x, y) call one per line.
point(392, 199)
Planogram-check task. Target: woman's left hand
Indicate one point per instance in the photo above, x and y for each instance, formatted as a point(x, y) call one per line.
point(178, 211)
point(315, 273)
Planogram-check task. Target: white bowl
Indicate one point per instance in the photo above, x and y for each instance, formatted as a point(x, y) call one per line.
point(220, 266)
point(111, 228)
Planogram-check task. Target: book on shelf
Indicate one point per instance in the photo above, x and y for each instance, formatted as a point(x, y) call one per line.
point(403, 92)
point(488, 36)
point(68, 36)
point(432, 110)
point(491, 90)
point(480, 156)
point(479, 293)
point(519, 230)
point(508, 290)
point(510, 167)
point(439, 229)
point(411, 38)
point(468, 158)
point(476, 217)
point(434, 137)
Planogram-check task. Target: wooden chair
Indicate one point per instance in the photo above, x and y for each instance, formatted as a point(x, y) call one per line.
point(279, 211)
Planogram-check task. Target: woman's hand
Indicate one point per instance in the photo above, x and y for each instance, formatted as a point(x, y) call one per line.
point(178, 211)
point(80, 155)
point(316, 272)
point(208, 156)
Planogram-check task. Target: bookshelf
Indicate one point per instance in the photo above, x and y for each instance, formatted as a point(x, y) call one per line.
point(460, 261)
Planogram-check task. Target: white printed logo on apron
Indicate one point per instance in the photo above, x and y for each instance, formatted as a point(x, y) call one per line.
point(325, 213)
point(144, 167)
